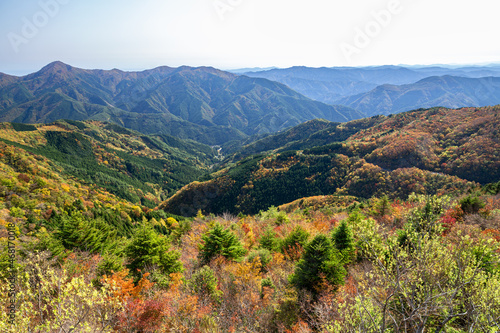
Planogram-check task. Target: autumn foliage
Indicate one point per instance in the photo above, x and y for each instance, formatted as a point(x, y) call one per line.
point(404, 250)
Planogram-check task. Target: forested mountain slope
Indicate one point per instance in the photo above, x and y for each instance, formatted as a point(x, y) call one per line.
point(85, 259)
point(132, 165)
point(203, 104)
point(423, 151)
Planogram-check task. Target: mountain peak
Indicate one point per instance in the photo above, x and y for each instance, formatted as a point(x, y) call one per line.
point(204, 70)
point(56, 66)
point(55, 71)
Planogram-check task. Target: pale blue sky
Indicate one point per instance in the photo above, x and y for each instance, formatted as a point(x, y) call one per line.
point(142, 34)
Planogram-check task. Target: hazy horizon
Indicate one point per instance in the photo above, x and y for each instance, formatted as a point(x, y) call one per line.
point(233, 34)
point(27, 72)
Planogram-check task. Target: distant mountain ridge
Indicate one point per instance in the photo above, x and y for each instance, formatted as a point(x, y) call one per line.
point(204, 104)
point(331, 84)
point(341, 85)
point(447, 91)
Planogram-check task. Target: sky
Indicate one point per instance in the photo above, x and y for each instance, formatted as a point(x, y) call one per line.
point(230, 34)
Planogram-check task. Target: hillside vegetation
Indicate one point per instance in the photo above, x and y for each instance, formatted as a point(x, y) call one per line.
point(364, 227)
point(84, 260)
point(425, 151)
point(139, 168)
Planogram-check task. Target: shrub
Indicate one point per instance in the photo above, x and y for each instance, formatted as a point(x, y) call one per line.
point(426, 219)
point(267, 282)
point(109, 264)
point(471, 204)
point(220, 241)
point(294, 242)
point(16, 212)
point(317, 265)
point(267, 287)
point(269, 241)
point(204, 282)
point(264, 255)
point(282, 218)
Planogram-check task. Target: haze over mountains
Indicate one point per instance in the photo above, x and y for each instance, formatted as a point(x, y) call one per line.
point(203, 104)
point(392, 89)
point(216, 107)
point(448, 91)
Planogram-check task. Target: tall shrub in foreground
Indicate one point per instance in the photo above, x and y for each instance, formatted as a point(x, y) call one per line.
point(294, 243)
point(147, 249)
point(220, 242)
point(343, 241)
point(318, 265)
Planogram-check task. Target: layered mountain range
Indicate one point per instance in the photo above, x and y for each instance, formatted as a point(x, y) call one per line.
point(448, 91)
point(203, 104)
point(393, 89)
point(216, 107)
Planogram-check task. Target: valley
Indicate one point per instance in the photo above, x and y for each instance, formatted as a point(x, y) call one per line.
point(196, 200)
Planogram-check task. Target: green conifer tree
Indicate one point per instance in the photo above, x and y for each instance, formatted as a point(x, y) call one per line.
point(382, 206)
point(269, 240)
point(343, 241)
point(148, 248)
point(318, 263)
point(296, 240)
point(220, 241)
